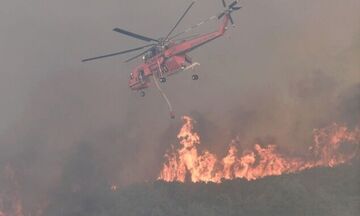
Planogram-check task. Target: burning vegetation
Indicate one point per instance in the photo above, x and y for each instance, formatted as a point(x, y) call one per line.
point(10, 202)
point(88, 193)
point(332, 146)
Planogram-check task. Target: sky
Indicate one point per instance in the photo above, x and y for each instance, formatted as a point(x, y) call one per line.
point(285, 68)
point(42, 39)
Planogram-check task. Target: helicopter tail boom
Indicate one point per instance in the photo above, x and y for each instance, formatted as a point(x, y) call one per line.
point(196, 42)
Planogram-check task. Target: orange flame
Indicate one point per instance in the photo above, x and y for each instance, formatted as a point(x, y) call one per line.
point(188, 162)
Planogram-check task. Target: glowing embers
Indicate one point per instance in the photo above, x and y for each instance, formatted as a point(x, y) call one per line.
point(332, 146)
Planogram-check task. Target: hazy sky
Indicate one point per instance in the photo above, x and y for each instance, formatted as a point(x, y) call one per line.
point(40, 39)
point(280, 73)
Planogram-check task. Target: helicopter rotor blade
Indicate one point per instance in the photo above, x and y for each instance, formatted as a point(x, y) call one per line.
point(192, 27)
point(233, 4)
point(221, 15)
point(188, 37)
point(178, 22)
point(117, 53)
point(231, 20)
point(137, 56)
point(137, 36)
point(236, 8)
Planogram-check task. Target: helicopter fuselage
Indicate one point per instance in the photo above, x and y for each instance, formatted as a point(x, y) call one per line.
point(172, 59)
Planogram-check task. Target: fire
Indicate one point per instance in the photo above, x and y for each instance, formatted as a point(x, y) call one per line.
point(331, 147)
point(113, 188)
point(10, 203)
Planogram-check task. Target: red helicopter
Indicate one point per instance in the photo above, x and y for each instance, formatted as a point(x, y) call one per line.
point(167, 56)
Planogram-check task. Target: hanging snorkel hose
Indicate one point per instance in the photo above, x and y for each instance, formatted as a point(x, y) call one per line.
point(155, 77)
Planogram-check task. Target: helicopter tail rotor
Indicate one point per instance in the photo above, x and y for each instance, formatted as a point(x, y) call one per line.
point(229, 9)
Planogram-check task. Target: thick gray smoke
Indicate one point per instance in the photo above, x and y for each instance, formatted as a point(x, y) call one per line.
point(287, 67)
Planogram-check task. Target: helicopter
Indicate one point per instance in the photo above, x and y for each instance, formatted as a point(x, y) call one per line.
point(168, 55)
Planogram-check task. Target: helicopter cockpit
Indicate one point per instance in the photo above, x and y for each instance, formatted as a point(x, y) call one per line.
point(151, 53)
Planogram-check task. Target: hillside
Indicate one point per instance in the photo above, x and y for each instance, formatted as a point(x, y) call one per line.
point(323, 191)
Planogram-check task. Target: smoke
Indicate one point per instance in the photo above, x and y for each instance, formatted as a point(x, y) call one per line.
point(288, 67)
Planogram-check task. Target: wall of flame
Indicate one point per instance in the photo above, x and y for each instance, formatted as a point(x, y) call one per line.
point(332, 145)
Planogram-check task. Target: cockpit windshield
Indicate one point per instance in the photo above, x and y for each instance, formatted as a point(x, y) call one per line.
point(151, 53)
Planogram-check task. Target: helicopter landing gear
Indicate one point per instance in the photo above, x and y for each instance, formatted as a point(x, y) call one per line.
point(142, 93)
point(195, 77)
point(162, 79)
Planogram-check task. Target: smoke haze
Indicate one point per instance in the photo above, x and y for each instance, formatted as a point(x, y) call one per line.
point(288, 67)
